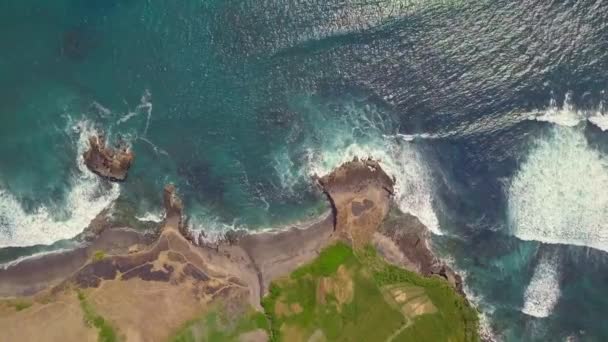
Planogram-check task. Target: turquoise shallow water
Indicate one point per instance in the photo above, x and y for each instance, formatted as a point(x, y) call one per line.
point(489, 114)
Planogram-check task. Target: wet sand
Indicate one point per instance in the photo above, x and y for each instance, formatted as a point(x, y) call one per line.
point(32, 275)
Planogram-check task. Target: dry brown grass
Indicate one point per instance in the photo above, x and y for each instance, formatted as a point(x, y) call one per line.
point(59, 320)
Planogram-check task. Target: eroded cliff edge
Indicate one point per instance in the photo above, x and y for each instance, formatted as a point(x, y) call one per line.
point(360, 193)
point(126, 274)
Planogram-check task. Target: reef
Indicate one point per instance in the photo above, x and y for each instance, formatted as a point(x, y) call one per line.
point(111, 163)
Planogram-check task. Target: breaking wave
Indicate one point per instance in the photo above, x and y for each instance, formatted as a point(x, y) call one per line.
point(558, 195)
point(478, 301)
point(412, 182)
point(567, 115)
point(7, 265)
point(151, 216)
point(87, 197)
point(361, 131)
point(601, 121)
point(543, 292)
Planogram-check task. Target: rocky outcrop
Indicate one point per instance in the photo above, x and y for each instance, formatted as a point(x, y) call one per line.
point(174, 206)
point(174, 214)
point(403, 240)
point(359, 192)
point(107, 162)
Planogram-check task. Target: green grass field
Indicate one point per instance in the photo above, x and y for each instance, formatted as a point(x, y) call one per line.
point(347, 296)
point(343, 296)
point(218, 326)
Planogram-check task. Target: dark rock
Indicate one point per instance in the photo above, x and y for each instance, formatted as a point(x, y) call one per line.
point(145, 272)
point(92, 274)
point(192, 271)
point(232, 237)
point(356, 175)
point(359, 192)
point(357, 208)
point(174, 217)
point(173, 204)
point(413, 239)
point(109, 163)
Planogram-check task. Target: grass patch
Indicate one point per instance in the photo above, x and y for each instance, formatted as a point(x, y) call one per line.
point(367, 316)
point(328, 261)
point(106, 331)
point(218, 326)
point(19, 304)
point(456, 319)
point(99, 255)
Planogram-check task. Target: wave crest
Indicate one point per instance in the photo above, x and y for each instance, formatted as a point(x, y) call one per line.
point(344, 130)
point(569, 116)
point(558, 195)
point(87, 197)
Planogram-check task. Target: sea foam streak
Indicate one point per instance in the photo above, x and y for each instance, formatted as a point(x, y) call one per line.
point(145, 105)
point(84, 201)
point(559, 193)
point(543, 292)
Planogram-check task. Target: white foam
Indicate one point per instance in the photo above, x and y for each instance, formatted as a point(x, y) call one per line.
point(101, 109)
point(33, 257)
point(563, 116)
point(600, 120)
point(484, 309)
point(413, 191)
point(151, 217)
point(559, 193)
point(560, 117)
point(412, 137)
point(543, 292)
point(213, 227)
point(600, 117)
point(567, 115)
point(145, 105)
point(86, 198)
point(361, 131)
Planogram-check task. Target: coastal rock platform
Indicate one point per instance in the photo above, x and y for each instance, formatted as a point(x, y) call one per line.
point(146, 286)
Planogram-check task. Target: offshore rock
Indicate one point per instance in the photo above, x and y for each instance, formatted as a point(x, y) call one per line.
point(107, 162)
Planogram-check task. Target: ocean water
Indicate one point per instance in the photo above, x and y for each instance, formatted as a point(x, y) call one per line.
point(491, 115)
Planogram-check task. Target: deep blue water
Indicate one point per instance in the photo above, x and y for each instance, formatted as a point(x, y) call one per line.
point(488, 113)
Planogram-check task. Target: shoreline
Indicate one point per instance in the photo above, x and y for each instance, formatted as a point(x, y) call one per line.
point(399, 245)
point(239, 268)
